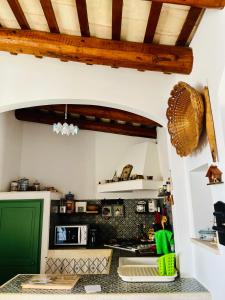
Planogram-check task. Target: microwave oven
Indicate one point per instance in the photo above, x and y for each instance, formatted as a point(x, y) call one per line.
point(71, 235)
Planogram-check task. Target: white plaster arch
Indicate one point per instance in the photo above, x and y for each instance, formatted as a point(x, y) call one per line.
point(27, 81)
point(38, 102)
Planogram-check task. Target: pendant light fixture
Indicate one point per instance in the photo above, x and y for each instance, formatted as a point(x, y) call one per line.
point(65, 128)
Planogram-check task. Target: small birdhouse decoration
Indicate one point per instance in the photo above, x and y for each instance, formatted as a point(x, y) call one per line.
point(214, 174)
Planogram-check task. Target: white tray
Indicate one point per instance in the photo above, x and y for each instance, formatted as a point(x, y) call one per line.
point(141, 269)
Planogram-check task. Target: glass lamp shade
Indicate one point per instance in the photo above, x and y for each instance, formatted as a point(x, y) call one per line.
point(65, 129)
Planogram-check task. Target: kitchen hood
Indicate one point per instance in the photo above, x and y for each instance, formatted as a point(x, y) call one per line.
point(144, 158)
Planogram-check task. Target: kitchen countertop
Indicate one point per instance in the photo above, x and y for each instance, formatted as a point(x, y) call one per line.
point(112, 288)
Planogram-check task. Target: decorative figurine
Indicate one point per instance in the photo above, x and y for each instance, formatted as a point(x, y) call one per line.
point(214, 175)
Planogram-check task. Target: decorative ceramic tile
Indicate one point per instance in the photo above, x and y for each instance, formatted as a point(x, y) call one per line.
point(114, 227)
point(71, 266)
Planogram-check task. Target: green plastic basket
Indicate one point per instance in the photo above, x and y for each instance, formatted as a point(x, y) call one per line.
point(166, 265)
point(161, 266)
point(169, 262)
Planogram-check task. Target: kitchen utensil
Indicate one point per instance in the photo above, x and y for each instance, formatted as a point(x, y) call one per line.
point(185, 115)
point(210, 125)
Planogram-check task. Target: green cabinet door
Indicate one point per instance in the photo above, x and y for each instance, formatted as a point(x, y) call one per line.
point(20, 237)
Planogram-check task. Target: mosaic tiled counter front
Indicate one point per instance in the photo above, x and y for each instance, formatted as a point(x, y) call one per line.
point(113, 288)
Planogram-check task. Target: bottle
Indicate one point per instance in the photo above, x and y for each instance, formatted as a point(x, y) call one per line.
point(168, 187)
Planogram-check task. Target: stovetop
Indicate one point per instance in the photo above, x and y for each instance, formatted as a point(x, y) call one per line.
point(132, 245)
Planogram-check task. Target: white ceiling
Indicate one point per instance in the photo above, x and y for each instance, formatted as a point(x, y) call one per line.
point(134, 20)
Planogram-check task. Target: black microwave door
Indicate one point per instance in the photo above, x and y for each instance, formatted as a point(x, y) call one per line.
point(72, 235)
point(66, 235)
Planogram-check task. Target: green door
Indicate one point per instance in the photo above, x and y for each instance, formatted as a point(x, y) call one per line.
point(20, 237)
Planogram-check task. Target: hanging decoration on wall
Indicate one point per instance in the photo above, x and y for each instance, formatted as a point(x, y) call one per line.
point(185, 115)
point(210, 126)
point(214, 175)
point(65, 128)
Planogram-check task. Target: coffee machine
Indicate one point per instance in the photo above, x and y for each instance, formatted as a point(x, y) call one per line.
point(93, 236)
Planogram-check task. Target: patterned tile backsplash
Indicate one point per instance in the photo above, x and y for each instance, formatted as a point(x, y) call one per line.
point(125, 227)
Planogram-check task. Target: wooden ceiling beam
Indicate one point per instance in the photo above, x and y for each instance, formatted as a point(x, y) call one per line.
point(117, 11)
point(37, 116)
point(83, 17)
point(19, 14)
point(153, 20)
point(218, 4)
point(189, 24)
point(138, 56)
point(101, 112)
point(50, 15)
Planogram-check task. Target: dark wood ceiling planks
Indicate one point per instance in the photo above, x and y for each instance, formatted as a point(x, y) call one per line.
point(153, 20)
point(50, 15)
point(114, 53)
point(83, 17)
point(196, 3)
point(117, 10)
point(91, 117)
point(19, 14)
point(191, 20)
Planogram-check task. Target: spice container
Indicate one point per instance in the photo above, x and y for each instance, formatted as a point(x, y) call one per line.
point(70, 206)
point(14, 186)
point(23, 184)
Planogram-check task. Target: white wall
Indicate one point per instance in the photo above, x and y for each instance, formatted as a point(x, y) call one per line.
point(27, 81)
point(209, 48)
point(77, 163)
point(10, 147)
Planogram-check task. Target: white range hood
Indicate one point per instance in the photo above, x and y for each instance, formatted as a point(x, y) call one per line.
point(145, 161)
point(129, 186)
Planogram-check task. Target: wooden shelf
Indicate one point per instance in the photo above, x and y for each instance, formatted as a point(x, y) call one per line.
point(211, 246)
point(80, 213)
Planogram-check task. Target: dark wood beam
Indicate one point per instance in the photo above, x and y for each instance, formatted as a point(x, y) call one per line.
point(83, 17)
point(152, 21)
point(101, 112)
point(50, 15)
point(37, 116)
point(196, 3)
point(192, 18)
point(19, 14)
point(117, 10)
point(139, 56)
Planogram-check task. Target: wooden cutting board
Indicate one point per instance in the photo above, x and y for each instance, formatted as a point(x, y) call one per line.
point(51, 282)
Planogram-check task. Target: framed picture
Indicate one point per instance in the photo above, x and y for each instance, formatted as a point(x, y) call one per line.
point(118, 211)
point(126, 172)
point(81, 206)
point(107, 211)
